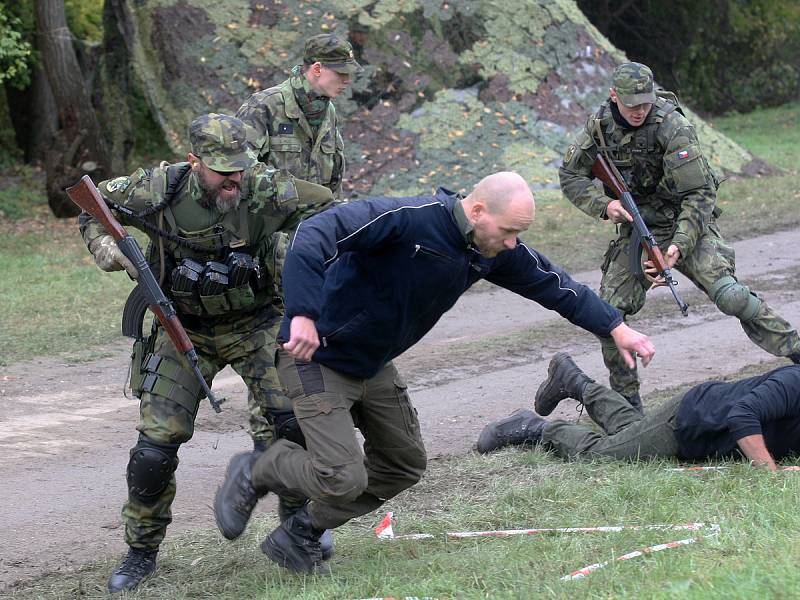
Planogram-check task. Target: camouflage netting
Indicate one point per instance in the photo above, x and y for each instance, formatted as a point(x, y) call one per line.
point(451, 90)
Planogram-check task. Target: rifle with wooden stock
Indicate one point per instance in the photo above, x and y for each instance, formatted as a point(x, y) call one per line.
point(641, 237)
point(86, 195)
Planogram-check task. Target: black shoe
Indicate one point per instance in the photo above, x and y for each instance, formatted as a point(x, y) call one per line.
point(795, 358)
point(137, 566)
point(295, 544)
point(521, 427)
point(636, 402)
point(236, 498)
point(564, 380)
point(325, 541)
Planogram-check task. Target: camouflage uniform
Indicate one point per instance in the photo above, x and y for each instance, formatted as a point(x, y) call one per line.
point(283, 136)
point(233, 325)
point(297, 130)
point(675, 190)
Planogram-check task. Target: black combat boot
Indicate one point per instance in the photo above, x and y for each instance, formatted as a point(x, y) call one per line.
point(295, 544)
point(236, 498)
point(137, 566)
point(636, 402)
point(795, 358)
point(520, 427)
point(325, 541)
point(564, 380)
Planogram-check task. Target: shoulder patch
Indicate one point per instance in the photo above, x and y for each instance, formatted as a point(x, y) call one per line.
point(285, 128)
point(570, 153)
point(119, 184)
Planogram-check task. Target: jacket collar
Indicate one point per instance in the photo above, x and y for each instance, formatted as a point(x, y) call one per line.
point(460, 219)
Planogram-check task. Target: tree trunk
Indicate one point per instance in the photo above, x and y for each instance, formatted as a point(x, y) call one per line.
point(78, 146)
point(33, 115)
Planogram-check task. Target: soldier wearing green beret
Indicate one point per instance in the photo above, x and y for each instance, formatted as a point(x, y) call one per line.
point(212, 223)
point(295, 122)
point(645, 134)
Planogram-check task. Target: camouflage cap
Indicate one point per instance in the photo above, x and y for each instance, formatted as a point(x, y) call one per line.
point(333, 52)
point(633, 83)
point(220, 141)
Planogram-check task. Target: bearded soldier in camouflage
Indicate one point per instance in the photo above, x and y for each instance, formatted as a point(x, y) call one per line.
point(295, 122)
point(656, 150)
point(212, 224)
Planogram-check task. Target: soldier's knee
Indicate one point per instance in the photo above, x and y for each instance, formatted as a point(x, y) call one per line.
point(150, 469)
point(733, 298)
point(344, 483)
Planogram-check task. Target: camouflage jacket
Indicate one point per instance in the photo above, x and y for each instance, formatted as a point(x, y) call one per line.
point(663, 165)
point(272, 204)
point(285, 140)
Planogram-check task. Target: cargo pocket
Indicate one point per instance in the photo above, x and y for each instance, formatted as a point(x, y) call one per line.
point(687, 168)
point(407, 410)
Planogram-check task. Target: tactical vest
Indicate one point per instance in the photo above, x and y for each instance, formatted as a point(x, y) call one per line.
point(208, 270)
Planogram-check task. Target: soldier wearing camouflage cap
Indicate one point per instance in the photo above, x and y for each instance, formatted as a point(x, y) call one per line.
point(295, 122)
point(646, 135)
point(212, 224)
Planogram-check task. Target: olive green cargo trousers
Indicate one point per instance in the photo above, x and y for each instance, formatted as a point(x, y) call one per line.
point(341, 481)
point(627, 434)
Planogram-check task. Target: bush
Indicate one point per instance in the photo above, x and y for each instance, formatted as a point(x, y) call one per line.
point(731, 54)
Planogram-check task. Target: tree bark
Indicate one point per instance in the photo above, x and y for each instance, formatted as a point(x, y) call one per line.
point(78, 146)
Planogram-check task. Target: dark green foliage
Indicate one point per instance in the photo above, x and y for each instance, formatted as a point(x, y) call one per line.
point(15, 50)
point(731, 54)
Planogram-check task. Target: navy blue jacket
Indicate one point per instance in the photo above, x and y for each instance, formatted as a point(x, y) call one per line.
point(377, 274)
point(714, 416)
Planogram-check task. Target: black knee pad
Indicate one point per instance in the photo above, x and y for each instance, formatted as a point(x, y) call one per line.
point(150, 469)
point(287, 427)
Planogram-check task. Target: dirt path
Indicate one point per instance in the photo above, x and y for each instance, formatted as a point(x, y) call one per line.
point(65, 429)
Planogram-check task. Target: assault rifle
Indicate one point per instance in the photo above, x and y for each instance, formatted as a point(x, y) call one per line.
point(641, 238)
point(86, 195)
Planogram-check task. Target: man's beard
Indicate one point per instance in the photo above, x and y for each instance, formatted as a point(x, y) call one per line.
point(212, 197)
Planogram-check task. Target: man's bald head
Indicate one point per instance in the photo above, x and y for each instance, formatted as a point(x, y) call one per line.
point(500, 207)
point(499, 190)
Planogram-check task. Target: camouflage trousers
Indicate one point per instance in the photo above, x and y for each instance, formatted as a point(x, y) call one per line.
point(710, 260)
point(168, 409)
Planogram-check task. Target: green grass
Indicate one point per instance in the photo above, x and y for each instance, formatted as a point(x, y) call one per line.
point(53, 296)
point(755, 554)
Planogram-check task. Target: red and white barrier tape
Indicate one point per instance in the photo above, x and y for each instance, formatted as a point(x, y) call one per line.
point(385, 530)
point(581, 573)
point(721, 468)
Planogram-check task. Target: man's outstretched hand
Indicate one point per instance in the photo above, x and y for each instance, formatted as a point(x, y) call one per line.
point(630, 342)
point(303, 338)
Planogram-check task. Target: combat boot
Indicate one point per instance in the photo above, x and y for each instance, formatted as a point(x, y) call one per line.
point(636, 402)
point(326, 544)
point(795, 358)
point(137, 566)
point(564, 380)
point(520, 427)
point(236, 498)
point(295, 544)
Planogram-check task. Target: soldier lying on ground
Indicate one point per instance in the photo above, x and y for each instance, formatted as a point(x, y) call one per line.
point(758, 417)
point(656, 150)
point(368, 279)
point(212, 222)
